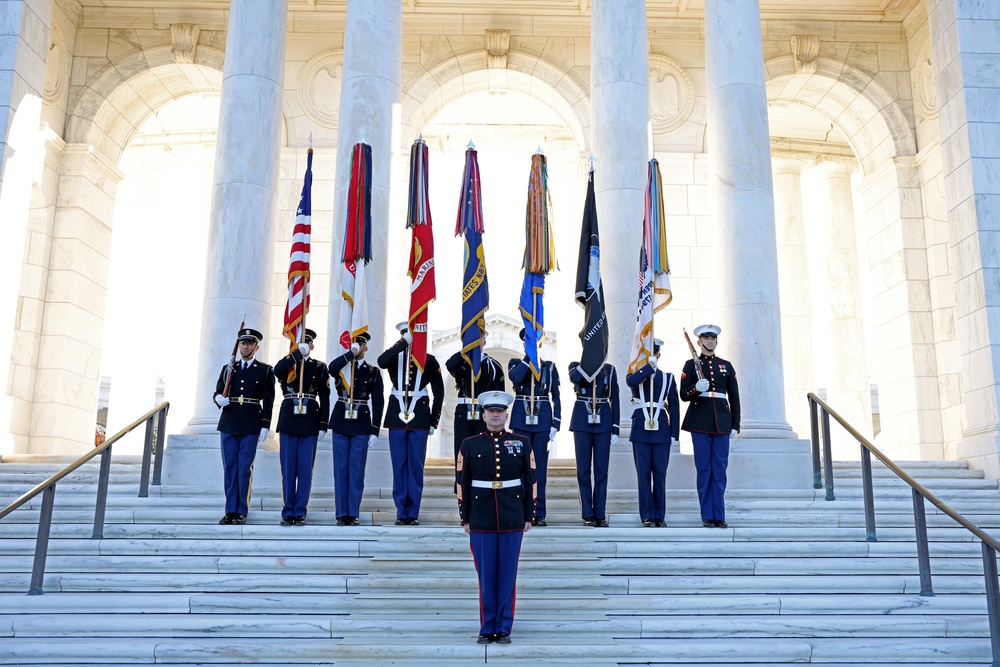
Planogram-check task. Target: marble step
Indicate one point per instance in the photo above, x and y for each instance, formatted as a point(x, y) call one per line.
point(461, 649)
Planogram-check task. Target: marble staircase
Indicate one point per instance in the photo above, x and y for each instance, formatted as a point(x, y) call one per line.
point(791, 581)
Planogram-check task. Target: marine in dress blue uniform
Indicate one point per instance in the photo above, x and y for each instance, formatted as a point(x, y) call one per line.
point(594, 424)
point(713, 415)
point(410, 417)
point(536, 415)
point(655, 427)
point(245, 421)
point(355, 428)
point(491, 378)
point(496, 500)
point(302, 423)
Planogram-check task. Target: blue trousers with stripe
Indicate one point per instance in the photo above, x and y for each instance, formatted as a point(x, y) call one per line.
point(495, 555)
point(711, 459)
point(407, 451)
point(297, 456)
point(238, 453)
point(350, 456)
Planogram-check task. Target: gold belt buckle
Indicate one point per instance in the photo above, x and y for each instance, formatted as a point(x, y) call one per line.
point(497, 484)
point(240, 401)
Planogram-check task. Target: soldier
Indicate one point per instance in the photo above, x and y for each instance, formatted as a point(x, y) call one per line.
point(653, 432)
point(536, 416)
point(496, 500)
point(355, 427)
point(594, 424)
point(712, 417)
point(469, 418)
point(302, 423)
point(410, 418)
point(245, 421)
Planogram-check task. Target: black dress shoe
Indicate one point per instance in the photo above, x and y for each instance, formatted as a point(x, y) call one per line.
point(661, 524)
point(708, 524)
point(341, 520)
point(646, 523)
point(721, 524)
point(287, 520)
point(602, 523)
point(300, 521)
point(484, 639)
point(355, 521)
point(240, 519)
point(413, 522)
point(402, 522)
point(588, 522)
point(226, 520)
point(502, 638)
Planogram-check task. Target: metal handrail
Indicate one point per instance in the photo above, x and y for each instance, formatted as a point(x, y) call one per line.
point(156, 421)
point(919, 493)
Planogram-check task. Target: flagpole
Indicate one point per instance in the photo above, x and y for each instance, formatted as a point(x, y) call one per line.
point(534, 307)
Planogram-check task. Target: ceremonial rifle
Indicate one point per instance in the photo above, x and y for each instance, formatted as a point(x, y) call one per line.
point(232, 359)
point(694, 356)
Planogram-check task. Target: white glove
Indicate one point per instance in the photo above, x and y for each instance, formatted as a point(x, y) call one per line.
point(263, 435)
point(223, 401)
point(732, 434)
point(552, 433)
point(430, 431)
point(408, 337)
point(321, 436)
point(701, 385)
point(614, 438)
point(304, 349)
point(652, 362)
point(372, 439)
point(355, 349)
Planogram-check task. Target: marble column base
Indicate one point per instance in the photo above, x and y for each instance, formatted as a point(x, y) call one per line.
point(196, 460)
point(980, 450)
point(753, 464)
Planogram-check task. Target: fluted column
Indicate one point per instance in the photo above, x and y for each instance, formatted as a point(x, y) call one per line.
point(619, 88)
point(239, 275)
point(370, 112)
point(847, 385)
point(796, 298)
point(741, 186)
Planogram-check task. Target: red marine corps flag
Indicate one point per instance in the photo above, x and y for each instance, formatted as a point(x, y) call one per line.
point(421, 267)
point(297, 305)
point(357, 253)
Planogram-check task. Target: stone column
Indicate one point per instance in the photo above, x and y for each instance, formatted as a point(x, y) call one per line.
point(832, 216)
point(67, 375)
point(796, 298)
point(740, 158)
point(239, 275)
point(369, 111)
point(619, 89)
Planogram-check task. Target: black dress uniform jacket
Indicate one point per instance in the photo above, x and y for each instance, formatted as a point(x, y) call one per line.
point(549, 410)
point(705, 414)
point(669, 419)
point(367, 385)
point(425, 413)
point(316, 382)
point(605, 388)
point(490, 379)
point(256, 383)
point(490, 457)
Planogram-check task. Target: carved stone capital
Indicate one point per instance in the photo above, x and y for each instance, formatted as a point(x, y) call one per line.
point(805, 48)
point(497, 48)
point(184, 37)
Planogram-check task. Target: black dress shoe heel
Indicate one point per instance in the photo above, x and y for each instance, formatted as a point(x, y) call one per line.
point(300, 521)
point(226, 520)
point(708, 524)
point(646, 523)
point(602, 523)
point(721, 524)
point(503, 638)
point(484, 639)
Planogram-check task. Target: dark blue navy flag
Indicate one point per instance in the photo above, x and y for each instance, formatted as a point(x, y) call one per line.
point(590, 291)
point(475, 287)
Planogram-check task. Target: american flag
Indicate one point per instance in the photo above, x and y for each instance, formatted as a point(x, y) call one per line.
point(298, 263)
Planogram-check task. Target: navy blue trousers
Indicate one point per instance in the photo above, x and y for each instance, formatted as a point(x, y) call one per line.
point(651, 473)
point(238, 453)
point(592, 448)
point(407, 451)
point(540, 448)
point(495, 555)
point(297, 455)
point(350, 456)
point(711, 459)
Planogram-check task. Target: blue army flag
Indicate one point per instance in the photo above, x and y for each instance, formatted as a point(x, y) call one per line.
point(654, 269)
point(475, 287)
point(539, 259)
point(590, 290)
